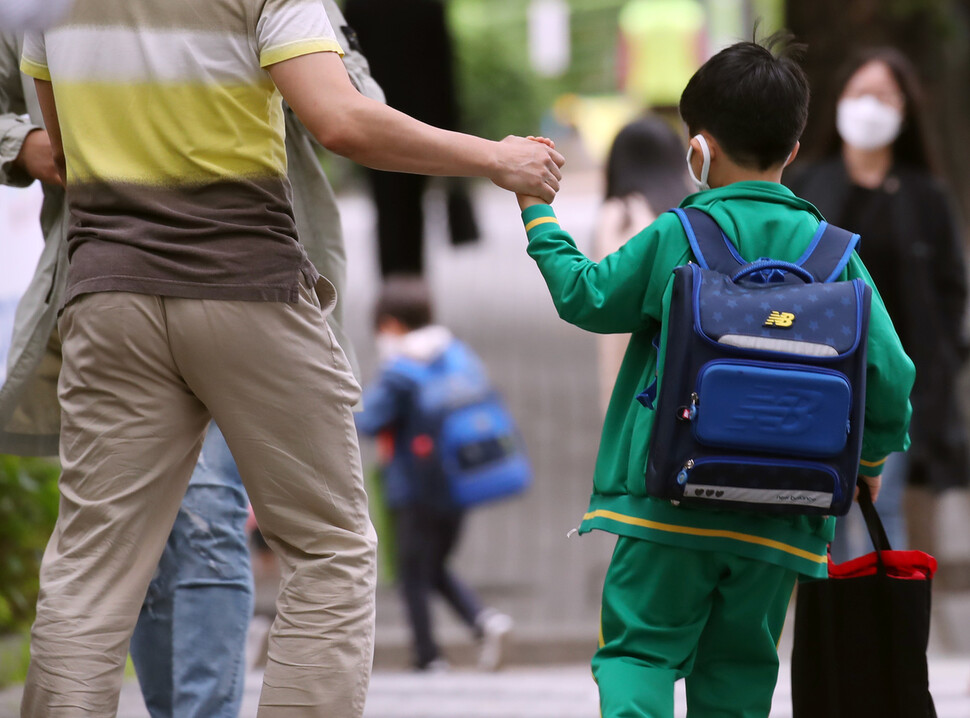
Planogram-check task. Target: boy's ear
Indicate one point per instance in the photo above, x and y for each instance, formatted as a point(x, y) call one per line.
point(712, 145)
point(794, 153)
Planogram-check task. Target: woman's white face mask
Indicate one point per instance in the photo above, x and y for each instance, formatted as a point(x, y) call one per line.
point(866, 123)
point(701, 183)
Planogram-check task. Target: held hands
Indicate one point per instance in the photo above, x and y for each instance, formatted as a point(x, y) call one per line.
point(528, 166)
point(526, 200)
point(36, 158)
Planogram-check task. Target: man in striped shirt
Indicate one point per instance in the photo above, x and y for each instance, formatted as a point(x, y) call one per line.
point(189, 298)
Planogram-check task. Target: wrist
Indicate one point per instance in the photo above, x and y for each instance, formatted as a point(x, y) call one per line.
point(526, 201)
point(492, 160)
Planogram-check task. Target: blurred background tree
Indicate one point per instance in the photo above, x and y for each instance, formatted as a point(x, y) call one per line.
point(28, 509)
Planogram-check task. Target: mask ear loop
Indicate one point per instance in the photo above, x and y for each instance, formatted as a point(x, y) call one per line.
point(706, 167)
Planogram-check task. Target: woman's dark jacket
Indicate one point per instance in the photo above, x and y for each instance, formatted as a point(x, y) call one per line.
point(930, 286)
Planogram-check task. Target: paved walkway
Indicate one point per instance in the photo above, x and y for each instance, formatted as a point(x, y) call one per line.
point(536, 692)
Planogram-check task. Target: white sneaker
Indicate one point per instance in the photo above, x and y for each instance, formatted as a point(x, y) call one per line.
point(495, 627)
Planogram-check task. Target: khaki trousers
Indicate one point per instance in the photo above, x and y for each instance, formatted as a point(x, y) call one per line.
point(141, 377)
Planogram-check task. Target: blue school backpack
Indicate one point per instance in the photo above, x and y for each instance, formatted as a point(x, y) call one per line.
point(762, 378)
point(464, 446)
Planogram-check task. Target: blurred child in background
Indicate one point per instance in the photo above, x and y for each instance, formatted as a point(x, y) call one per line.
point(426, 371)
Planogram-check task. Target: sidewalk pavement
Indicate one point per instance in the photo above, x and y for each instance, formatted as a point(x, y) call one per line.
point(527, 692)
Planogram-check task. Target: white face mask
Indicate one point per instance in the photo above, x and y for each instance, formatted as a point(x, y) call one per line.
point(866, 123)
point(705, 169)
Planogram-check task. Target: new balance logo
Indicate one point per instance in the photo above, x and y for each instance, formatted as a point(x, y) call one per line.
point(780, 319)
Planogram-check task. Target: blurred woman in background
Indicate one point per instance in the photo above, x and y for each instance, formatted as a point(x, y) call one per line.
point(876, 176)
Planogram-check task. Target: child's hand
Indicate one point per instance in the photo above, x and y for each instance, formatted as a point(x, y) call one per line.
point(528, 200)
point(874, 483)
point(544, 140)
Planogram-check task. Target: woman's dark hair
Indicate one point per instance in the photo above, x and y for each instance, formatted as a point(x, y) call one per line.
point(755, 103)
point(912, 146)
point(647, 158)
point(406, 298)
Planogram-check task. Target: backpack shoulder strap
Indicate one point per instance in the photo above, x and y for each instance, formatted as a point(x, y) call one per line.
point(829, 252)
point(711, 247)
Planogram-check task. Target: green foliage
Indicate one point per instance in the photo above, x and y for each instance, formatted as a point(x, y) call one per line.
point(383, 522)
point(28, 509)
point(499, 93)
point(14, 658)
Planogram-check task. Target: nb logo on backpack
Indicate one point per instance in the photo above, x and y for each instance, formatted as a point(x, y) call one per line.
point(780, 319)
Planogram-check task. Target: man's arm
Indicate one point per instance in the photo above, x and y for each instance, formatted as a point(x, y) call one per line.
point(36, 158)
point(45, 95)
point(17, 134)
point(317, 88)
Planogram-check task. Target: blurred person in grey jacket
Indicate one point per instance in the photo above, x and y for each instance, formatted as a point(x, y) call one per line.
point(189, 643)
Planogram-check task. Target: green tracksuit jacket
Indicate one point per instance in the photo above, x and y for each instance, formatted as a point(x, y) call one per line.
point(624, 293)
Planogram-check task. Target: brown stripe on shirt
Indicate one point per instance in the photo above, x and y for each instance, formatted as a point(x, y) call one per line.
point(231, 240)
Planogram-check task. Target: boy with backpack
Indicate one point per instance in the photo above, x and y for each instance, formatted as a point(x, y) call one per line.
point(450, 444)
point(699, 588)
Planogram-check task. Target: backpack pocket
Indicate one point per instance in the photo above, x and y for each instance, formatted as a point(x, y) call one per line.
point(749, 483)
point(787, 409)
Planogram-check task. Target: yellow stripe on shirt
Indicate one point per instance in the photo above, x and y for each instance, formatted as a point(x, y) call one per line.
point(35, 69)
point(171, 134)
point(710, 533)
point(540, 220)
point(872, 463)
point(297, 49)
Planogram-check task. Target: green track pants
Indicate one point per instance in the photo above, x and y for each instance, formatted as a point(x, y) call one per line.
point(709, 617)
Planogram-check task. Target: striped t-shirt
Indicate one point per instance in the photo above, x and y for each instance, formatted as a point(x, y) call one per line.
point(173, 135)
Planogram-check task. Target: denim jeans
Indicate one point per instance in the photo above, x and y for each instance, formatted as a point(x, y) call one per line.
point(189, 643)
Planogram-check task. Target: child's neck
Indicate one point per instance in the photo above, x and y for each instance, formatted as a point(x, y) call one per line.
point(733, 173)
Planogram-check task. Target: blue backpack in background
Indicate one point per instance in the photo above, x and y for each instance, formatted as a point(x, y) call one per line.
point(464, 446)
point(762, 378)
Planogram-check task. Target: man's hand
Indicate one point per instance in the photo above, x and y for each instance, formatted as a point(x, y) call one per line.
point(874, 483)
point(528, 166)
point(36, 158)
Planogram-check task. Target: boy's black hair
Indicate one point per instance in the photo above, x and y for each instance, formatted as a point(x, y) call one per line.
point(753, 102)
point(406, 298)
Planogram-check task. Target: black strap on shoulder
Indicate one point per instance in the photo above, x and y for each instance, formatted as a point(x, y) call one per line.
point(825, 257)
point(711, 247)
